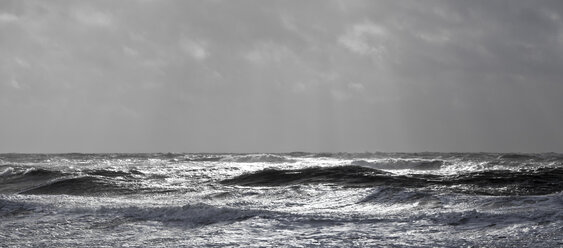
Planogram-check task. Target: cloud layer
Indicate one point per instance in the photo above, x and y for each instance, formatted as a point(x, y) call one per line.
point(250, 76)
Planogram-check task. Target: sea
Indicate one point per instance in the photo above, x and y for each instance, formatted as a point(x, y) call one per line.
point(296, 199)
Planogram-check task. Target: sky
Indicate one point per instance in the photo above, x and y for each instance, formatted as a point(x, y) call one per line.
point(281, 76)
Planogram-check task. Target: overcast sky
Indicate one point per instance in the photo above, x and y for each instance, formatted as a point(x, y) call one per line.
point(279, 76)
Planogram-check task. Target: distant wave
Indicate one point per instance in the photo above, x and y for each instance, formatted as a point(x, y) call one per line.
point(212, 158)
point(257, 158)
point(518, 156)
point(401, 164)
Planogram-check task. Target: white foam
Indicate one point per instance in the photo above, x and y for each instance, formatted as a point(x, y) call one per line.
point(7, 172)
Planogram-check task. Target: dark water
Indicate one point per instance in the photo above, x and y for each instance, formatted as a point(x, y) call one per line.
point(292, 200)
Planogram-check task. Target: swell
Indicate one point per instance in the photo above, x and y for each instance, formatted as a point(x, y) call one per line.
point(415, 164)
point(87, 185)
point(85, 182)
point(494, 182)
point(349, 175)
point(523, 182)
point(115, 173)
point(15, 180)
point(257, 158)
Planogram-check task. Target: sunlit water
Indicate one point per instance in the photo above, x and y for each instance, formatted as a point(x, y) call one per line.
point(281, 200)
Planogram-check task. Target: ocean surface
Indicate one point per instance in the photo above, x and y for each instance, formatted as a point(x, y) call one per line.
point(281, 200)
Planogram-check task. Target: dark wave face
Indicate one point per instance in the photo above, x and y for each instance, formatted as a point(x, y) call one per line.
point(503, 182)
point(348, 175)
point(495, 182)
point(16, 181)
point(112, 173)
point(88, 186)
point(85, 182)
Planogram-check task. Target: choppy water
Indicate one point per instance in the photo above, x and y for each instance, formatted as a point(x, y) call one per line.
point(281, 200)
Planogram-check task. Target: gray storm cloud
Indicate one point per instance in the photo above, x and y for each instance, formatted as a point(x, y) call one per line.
point(277, 76)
